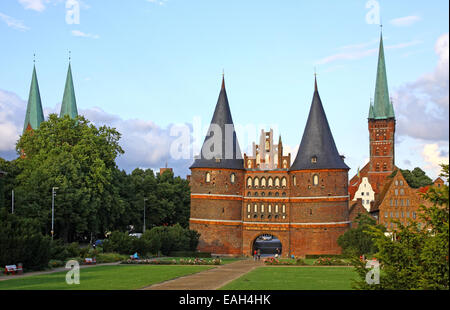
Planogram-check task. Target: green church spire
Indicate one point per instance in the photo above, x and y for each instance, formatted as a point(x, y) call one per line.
point(69, 103)
point(34, 115)
point(382, 107)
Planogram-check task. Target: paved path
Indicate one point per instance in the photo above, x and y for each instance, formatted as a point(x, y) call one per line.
point(211, 279)
point(36, 273)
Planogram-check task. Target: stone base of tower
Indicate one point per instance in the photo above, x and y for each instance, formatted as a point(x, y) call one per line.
point(218, 238)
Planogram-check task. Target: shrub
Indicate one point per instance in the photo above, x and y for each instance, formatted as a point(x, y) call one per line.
point(54, 263)
point(190, 254)
point(102, 258)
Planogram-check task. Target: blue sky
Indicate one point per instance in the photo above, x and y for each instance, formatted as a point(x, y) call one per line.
point(143, 65)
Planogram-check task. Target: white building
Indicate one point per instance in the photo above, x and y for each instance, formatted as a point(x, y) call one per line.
point(366, 193)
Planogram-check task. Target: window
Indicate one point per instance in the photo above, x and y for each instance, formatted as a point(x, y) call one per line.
point(414, 215)
point(276, 208)
point(249, 194)
point(263, 194)
point(396, 201)
point(284, 209)
point(283, 182)
point(362, 194)
point(249, 163)
point(314, 159)
point(391, 214)
point(263, 182)
point(256, 194)
point(401, 202)
point(270, 182)
point(407, 213)
point(391, 202)
point(407, 202)
point(396, 182)
point(385, 214)
point(316, 179)
point(283, 194)
point(269, 209)
point(402, 191)
point(401, 182)
point(248, 208)
point(255, 208)
point(396, 192)
point(208, 177)
point(285, 164)
point(256, 182)
point(249, 182)
point(277, 194)
point(277, 182)
point(294, 180)
point(262, 208)
point(233, 178)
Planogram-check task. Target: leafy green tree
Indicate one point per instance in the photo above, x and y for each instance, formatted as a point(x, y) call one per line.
point(8, 181)
point(358, 241)
point(79, 158)
point(416, 178)
point(418, 257)
point(21, 241)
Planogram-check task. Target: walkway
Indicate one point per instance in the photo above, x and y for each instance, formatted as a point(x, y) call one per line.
point(211, 279)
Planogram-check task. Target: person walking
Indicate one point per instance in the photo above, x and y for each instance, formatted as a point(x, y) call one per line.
point(254, 255)
point(259, 254)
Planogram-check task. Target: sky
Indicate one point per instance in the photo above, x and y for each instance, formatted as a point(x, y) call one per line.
point(146, 67)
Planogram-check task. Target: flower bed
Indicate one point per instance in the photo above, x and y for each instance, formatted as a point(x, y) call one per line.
point(275, 261)
point(195, 261)
point(330, 261)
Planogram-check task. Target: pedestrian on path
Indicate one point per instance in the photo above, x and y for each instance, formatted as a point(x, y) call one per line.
point(259, 254)
point(254, 255)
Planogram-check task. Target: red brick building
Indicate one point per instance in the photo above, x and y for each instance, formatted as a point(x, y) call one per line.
point(236, 200)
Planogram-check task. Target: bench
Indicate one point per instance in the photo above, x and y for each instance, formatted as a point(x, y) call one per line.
point(13, 269)
point(90, 261)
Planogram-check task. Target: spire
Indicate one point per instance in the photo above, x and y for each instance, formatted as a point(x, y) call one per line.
point(317, 149)
point(34, 115)
point(221, 147)
point(69, 103)
point(382, 107)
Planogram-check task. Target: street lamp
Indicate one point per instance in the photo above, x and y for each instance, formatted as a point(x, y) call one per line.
point(145, 199)
point(53, 208)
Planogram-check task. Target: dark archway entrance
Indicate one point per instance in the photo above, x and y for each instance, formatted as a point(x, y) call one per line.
point(268, 245)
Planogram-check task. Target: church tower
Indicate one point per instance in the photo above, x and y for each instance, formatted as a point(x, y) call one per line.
point(381, 128)
point(69, 103)
point(216, 181)
point(34, 115)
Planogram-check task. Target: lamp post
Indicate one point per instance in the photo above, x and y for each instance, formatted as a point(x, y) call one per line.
point(53, 209)
point(143, 230)
point(12, 202)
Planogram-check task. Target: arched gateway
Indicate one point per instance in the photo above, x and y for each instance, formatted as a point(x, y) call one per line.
point(268, 245)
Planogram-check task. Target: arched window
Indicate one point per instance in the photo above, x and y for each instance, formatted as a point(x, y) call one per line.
point(284, 209)
point(276, 208)
point(402, 191)
point(249, 182)
point(294, 180)
point(277, 182)
point(255, 208)
point(285, 164)
point(283, 194)
point(249, 194)
point(263, 182)
point(316, 179)
point(377, 168)
point(262, 208)
point(208, 177)
point(256, 182)
point(283, 182)
point(249, 163)
point(233, 178)
point(248, 208)
point(270, 182)
point(269, 209)
point(277, 194)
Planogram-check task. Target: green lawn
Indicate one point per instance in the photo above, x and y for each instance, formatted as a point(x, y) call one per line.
point(118, 277)
point(295, 278)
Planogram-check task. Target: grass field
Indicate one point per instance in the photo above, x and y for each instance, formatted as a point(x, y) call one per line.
point(295, 278)
point(118, 277)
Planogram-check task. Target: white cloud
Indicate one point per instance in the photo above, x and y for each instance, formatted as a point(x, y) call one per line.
point(405, 21)
point(160, 2)
point(35, 5)
point(434, 155)
point(78, 33)
point(146, 144)
point(422, 106)
point(13, 23)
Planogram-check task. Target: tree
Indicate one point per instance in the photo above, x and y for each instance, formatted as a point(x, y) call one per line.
point(416, 178)
point(358, 241)
point(79, 158)
point(418, 257)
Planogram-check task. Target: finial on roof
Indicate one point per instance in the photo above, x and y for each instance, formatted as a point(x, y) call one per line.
point(34, 58)
point(223, 79)
point(315, 80)
point(70, 56)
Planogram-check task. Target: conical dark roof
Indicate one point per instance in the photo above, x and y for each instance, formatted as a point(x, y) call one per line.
point(221, 147)
point(317, 149)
